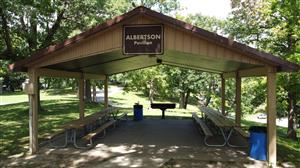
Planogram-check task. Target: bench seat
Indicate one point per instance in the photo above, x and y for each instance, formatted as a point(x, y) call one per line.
point(102, 128)
point(202, 124)
point(242, 132)
point(123, 115)
point(55, 134)
point(207, 132)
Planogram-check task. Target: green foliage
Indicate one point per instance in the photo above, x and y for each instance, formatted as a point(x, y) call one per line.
point(273, 26)
point(211, 24)
point(141, 80)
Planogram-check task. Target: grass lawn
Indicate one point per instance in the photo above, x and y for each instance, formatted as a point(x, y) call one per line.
point(61, 107)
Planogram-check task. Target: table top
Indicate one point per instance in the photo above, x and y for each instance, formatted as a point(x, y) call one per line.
point(217, 118)
point(79, 123)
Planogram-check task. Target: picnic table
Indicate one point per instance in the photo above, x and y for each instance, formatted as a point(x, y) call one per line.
point(225, 125)
point(70, 129)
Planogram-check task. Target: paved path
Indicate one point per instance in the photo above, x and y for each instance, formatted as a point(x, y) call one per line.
point(111, 91)
point(283, 122)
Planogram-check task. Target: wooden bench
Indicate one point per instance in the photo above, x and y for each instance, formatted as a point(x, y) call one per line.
point(120, 117)
point(55, 134)
point(242, 133)
point(102, 128)
point(204, 128)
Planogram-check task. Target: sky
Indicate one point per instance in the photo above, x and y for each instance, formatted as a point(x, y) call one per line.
point(218, 8)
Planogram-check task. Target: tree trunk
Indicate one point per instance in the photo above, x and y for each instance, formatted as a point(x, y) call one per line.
point(187, 95)
point(151, 91)
point(88, 97)
point(181, 100)
point(94, 94)
point(208, 98)
point(291, 133)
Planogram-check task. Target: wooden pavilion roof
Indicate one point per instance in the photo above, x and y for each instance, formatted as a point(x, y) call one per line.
point(99, 50)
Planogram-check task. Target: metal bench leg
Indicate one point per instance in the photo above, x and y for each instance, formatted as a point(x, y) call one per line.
point(62, 146)
point(91, 140)
point(215, 145)
point(75, 144)
point(231, 145)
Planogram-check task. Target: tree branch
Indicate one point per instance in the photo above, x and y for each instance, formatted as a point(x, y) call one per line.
point(53, 30)
point(8, 53)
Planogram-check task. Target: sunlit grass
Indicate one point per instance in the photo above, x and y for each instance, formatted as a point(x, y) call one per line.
point(61, 106)
point(287, 150)
point(19, 97)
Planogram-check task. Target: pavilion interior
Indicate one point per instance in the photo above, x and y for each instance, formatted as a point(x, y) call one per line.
point(115, 62)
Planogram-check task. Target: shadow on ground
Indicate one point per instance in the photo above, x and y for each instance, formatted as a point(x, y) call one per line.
point(147, 143)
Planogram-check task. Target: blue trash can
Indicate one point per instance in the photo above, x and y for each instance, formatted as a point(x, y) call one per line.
point(138, 112)
point(258, 142)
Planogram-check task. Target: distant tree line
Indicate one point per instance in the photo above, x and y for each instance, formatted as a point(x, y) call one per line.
point(272, 26)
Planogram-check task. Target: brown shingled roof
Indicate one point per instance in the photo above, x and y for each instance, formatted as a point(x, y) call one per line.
point(267, 58)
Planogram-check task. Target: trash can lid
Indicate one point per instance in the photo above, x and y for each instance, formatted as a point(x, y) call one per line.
point(138, 106)
point(258, 129)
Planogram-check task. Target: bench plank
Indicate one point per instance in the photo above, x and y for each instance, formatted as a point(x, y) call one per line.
point(242, 132)
point(203, 126)
point(122, 116)
point(205, 130)
point(98, 130)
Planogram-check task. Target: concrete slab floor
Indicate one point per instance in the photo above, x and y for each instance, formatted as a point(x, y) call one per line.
point(147, 143)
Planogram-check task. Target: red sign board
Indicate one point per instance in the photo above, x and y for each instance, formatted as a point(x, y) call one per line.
point(143, 39)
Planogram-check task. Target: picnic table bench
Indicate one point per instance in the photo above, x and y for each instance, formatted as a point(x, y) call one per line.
point(224, 124)
point(102, 128)
point(205, 129)
point(70, 128)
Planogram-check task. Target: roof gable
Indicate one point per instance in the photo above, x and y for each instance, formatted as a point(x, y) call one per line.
point(142, 11)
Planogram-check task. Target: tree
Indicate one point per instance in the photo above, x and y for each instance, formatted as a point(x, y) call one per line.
point(27, 26)
point(274, 27)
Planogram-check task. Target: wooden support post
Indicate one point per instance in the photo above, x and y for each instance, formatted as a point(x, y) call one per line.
point(32, 91)
point(271, 116)
point(238, 83)
point(223, 94)
point(81, 97)
point(106, 92)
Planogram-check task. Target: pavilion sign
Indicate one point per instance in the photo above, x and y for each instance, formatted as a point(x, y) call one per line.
point(143, 39)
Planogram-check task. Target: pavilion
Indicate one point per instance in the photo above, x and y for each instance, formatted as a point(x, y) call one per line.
point(143, 38)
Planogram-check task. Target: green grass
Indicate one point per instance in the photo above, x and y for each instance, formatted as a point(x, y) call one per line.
point(127, 100)
point(59, 107)
point(56, 110)
point(287, 149)
point(19, 97)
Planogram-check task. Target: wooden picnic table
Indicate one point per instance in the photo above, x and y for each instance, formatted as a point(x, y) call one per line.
point(225, 124)
point(71, 127)
point(217, 118)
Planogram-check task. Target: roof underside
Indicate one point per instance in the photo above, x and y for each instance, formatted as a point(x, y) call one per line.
point(112, 62)
point(116, 62)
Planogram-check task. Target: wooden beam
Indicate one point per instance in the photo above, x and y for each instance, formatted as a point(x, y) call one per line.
point(260, 71)
point(33, 111)
point(68, 74)
point(223, 94)
point(271, 116)
point(106, 92)
point(238, 83)
point(81, 97)
point(93, 76)
point(190, 67)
